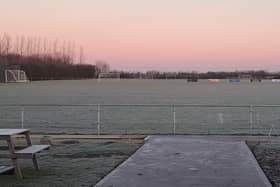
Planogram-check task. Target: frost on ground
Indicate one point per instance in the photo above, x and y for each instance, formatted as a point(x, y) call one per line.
point(72, 163)
point(84, 163)
point(268, 157)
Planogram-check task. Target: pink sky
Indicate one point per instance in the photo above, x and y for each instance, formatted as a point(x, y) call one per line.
point(157, 34)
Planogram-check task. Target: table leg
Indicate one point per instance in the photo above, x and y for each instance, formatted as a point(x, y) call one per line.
point(34, 158)
point(35, 162)
point(28, 139)
point(14, 158)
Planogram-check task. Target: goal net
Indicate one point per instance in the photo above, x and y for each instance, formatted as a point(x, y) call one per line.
point(15, 75)
point(109, 76)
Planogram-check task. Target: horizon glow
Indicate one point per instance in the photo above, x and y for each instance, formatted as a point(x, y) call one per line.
point(161, 35)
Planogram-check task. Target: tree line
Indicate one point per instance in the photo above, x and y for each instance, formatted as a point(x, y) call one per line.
point(199, 75)
point(44, 59)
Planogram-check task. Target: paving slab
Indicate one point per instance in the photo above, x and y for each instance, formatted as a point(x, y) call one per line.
point(165, 161)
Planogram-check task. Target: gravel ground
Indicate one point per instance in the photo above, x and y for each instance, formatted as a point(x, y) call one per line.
point(268, 157)
point(72, 163)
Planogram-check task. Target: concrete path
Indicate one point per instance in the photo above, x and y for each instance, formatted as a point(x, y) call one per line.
point(167, 161)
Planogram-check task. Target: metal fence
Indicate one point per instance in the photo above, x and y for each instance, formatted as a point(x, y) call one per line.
point(143, 119)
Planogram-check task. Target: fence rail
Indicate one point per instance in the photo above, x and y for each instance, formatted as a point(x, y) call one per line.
point(143, 118)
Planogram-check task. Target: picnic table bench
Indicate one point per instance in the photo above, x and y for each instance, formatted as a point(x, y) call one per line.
point(29, 152)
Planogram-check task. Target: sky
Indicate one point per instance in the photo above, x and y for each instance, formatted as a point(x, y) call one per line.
point(165, 35)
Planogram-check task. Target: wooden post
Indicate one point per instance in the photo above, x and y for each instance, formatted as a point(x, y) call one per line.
point(174, 120)
point(98, 119)
point(22, 117)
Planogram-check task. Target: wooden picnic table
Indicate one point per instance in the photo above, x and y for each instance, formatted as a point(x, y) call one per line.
point(28, 152)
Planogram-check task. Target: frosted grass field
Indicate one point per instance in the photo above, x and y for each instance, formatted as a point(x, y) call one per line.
point(140, 119)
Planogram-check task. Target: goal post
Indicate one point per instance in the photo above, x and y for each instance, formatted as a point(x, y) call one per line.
point(109, 76)
point(15, 75)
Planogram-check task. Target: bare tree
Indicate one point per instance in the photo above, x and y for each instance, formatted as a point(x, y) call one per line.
point(72, 52)
point(38, 46)
point(69, 48)
point(44, 47)
point(1, 45)
point(49, 48)
point(102, 66)
point(22, 40)
point(31, 44)
point(63, 49)
point(16, 47)
point(7, 43)
point(34, 46)
point(81, 55)
point(28, 46)
point(55, 48)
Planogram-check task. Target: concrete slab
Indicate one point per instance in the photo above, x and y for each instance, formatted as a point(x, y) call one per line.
point(165, 161)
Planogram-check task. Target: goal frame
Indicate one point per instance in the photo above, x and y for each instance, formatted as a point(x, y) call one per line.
point(16, 75)
point(109, 76)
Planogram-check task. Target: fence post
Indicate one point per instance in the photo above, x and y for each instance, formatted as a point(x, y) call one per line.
point(22, 117)
point(251, 118)
point(98, 119)
point(174, 120)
